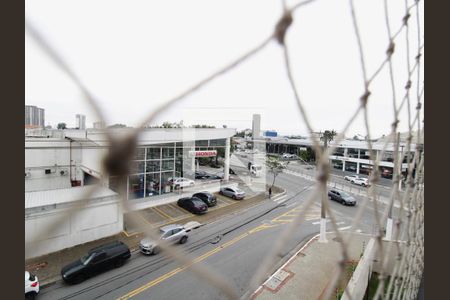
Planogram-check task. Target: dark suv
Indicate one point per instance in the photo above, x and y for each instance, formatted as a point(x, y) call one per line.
point(206, 197)
point(96, 261)
point(341, 197)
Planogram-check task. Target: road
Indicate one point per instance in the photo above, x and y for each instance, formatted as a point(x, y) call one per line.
point(233, 247)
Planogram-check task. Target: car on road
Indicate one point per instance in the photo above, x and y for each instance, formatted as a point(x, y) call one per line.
point(193, 205)
point(97, 260)
point(232, 192)
point(288, 155)
point(201, 175)
point(31, 285)
point(206, 197)
point(178, 182)
point(351, 178)
point(361, 181)
point(173, 234)
point(341, 197)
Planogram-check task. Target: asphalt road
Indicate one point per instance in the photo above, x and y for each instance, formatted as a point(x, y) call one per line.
point(233, 247)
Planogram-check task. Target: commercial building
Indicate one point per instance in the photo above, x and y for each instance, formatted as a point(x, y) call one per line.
point(34, 117)
point(256, 126)
point(61, 164)
point(80, 121)
point(349, 155)
point(99, 125)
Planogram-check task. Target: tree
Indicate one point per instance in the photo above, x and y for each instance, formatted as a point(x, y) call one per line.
point(62, 126)
point(327, 136)
point(117, 126)
point(275, 166)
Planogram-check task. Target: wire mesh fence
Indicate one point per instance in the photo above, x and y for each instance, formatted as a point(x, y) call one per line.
point(404, 281)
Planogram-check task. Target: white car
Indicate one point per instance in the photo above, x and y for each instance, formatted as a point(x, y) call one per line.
point(31, 285)
point(288, 155)
point(351, 178)
point(182, 182)
point(361, 181)
point(174, 233)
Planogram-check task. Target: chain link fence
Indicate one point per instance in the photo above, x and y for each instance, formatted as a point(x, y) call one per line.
point(404, 281)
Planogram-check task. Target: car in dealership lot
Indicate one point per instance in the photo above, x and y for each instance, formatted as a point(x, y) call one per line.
point(193, 205)
point(361, 181)
point(206, 197)
point(97, 260)
point(173, 234)
point(178, 182)
point(31, 285)
point(201, 174)
point(341, 197)
point(232, 192)
point(351, 178)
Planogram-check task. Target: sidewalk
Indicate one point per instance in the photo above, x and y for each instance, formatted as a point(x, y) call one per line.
point(307, 274)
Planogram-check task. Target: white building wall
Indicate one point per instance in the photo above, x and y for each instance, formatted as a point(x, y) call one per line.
point(95, 221)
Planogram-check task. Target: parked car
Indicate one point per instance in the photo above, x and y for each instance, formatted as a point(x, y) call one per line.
point(31, 285)
point(181, 182)
point(361, 181)
point(351, 178)
point(232, 192)
point(206, 197)
point(287, 155)
point(174, 233)
point(201, 175)
point(95, 261)
point(214, 176)
point(341, 197)
point(193, 205)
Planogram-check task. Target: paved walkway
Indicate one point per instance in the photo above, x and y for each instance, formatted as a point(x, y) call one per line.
point(307, 274)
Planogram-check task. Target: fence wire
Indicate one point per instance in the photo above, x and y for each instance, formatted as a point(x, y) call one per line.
point(408, 239)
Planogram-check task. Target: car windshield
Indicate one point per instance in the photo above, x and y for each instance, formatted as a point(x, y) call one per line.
point(238, 191)
point(86, 259)
point(198, 203)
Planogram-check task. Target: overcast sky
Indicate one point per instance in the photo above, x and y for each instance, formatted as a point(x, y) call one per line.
point(134, 55)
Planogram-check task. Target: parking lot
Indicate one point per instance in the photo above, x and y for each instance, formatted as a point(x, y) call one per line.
point(171, 213)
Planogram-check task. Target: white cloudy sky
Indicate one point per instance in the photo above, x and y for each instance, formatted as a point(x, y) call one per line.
point(134, 55)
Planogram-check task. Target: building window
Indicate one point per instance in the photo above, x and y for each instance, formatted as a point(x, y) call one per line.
point(152, 184)
point(136, 167)
point(350, 166)
point(167, 165)
point(352, 153)
point(152, 166)
point(202, 143)
point(166, 187)
point(365, 154)
point(139, 154)
point(136, 186)
point(220, 142)
point(153, 153)
point(339, 152)
point(167, 153)
point(337, 164)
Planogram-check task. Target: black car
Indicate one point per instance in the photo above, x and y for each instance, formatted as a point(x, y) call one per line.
point(341, 197)
point(97, 260)
point(193, 204)
point(232, 172)
point(206, 197)
point(201, 175)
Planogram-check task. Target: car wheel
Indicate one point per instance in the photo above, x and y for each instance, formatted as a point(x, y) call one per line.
point(234, 197)
point(119, 263)
point(79, 278)
point(183, 240)
point(155, 250)
point(30, 295)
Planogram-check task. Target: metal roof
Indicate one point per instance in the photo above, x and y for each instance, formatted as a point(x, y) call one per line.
point(59, 196)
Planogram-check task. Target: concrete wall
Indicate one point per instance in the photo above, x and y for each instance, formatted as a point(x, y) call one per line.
point(39, 157)
point(99, 219)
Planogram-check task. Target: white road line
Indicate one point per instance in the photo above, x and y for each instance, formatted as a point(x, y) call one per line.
point(318, 222)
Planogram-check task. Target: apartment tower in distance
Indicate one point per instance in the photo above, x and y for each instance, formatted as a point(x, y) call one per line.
point(34, 117)
point(80, 122)
point(256, 126)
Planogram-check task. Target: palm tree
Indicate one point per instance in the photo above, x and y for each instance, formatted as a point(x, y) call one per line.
point(327, 136)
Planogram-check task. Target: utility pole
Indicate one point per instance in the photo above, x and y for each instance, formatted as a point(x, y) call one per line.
point(323, 217)
point(396, 175)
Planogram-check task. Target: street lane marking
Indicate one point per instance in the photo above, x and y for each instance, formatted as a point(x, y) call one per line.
point(196, 260)
point(209, 253)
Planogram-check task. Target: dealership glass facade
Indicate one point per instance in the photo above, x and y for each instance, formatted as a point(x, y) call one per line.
point(154, 165)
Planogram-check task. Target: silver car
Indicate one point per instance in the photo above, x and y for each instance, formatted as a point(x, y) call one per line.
point(232, 192)
point(174, 233)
